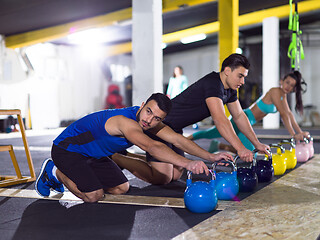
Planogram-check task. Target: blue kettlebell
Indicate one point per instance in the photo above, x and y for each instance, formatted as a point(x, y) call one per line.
point(247, 177)
point(264, 169)
point(200, 196)
point(227, 185)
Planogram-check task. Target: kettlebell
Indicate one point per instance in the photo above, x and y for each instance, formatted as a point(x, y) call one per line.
point(302, 150)
point(227, 185)
point(264, 168)
point(279, 161)
point(247, 176)
point(290, 153)
point(310, 145)
point(200, 196)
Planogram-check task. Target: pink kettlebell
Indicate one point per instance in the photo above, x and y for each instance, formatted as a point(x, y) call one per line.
point(310, 146)
point(302, 151)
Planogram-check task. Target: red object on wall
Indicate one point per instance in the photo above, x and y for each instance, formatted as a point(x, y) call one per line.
point(114, 99)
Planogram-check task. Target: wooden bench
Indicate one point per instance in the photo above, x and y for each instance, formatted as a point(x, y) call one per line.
point(6, 180)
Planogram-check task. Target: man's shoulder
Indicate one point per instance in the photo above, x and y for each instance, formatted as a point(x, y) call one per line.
point(212, 75)
point(122, 118)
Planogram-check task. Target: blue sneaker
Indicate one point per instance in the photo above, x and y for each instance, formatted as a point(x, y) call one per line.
point(46, 180)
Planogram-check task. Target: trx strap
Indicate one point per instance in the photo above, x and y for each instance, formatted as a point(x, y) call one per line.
point(295, 50)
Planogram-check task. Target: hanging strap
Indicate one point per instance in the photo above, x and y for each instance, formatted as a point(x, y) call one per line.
point(295, 50)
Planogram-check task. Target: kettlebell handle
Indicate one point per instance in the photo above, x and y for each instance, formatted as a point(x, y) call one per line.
point(310, 138)
point(254, 162)
point(288, 142)
point(213, 175)
point(268, 157)
point(274, 145)
point(222, 160)
point(305, 140)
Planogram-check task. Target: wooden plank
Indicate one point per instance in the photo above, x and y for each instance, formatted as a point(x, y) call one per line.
point(13, 180)
point(10, 111)
point(113, 199)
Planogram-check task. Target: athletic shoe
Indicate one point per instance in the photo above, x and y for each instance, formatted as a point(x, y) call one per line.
point(46, 180)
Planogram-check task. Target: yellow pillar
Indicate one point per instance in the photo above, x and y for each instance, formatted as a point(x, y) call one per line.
point(228, 13)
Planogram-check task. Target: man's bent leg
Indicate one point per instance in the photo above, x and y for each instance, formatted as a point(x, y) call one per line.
point(93, 196)
point(87, 177)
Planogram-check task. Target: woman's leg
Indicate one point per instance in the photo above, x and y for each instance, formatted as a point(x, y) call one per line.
point(216, 145)
point(209, 133)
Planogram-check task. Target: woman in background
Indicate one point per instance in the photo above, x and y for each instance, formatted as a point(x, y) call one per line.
point(177, 83)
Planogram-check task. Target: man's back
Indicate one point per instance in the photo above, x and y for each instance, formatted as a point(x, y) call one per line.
point(190, 106)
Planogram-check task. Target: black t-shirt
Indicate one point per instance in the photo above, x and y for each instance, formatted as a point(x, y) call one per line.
point(190, 106)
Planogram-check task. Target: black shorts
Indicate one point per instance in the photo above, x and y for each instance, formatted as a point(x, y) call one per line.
point(89, 174)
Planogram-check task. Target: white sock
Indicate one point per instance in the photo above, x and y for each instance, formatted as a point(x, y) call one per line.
point(54, 170)
point(69, 204)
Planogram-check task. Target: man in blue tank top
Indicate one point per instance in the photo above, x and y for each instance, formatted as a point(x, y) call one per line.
point(82, 153)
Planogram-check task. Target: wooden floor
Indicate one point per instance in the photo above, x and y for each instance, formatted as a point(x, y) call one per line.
point(289, 208)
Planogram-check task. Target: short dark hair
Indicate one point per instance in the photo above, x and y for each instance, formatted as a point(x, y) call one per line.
point(234, 61)
point(164, 103)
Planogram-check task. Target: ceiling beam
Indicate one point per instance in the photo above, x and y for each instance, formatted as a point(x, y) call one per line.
point(60, 31)
point(51, 33)
point(174, 5)
point(63, 30)
point(244, 20)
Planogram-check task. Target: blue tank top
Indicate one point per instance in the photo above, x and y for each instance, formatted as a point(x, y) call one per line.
point(89, 137)
point(266, 108)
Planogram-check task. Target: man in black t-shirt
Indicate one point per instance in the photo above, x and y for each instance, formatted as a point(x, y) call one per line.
point(206, 98)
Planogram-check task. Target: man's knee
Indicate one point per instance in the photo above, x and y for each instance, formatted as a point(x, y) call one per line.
point(161, 179)
point(120, 189)
point(162, 173)
point(177, 173)
point(165, 177)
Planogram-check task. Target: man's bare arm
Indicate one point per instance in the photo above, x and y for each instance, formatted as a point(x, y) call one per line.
point(130, 129)
point(186, 145)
